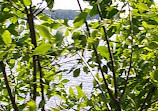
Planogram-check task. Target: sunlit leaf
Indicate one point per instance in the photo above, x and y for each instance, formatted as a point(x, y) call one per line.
point(142, 7)
point(2, 54)
point(80, 19)
point(65, 80)
point(71, 91)
point(27, 2)
point(31, 106)
point(44, 32)
point(6, 36)
point(80, 92)
point(103, 51)
point(59, 36)
point(42, 49)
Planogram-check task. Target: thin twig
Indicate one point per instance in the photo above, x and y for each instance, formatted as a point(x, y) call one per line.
point(107, 104)
point(147, 106)
point(130, 65)
point(12, 98)
point(38, 7)
point(4, 109)
point(150, 92)
point(16, 7)
point(44, 8)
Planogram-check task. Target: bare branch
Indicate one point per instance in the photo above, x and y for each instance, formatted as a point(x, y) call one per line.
point(130, 65)
point(110, 52)
point(12, 98)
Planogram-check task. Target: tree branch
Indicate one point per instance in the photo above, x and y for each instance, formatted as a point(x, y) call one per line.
point(33, 41)
point(130, 65)
point(41, 82)
point(111, 55)
point(30, 17)
point(8, 87)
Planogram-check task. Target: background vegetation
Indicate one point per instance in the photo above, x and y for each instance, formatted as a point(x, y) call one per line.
point(121, 47)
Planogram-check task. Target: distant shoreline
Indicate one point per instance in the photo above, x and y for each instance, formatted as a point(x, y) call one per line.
point(66, 14)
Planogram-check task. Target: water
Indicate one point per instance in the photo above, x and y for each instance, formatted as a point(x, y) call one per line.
point(85, 79)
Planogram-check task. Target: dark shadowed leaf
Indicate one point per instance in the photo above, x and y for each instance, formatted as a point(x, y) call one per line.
point(76, 73)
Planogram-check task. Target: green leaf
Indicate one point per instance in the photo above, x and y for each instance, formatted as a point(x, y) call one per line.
point(6, 36)
point(142, 7)
point(93, 11)
point(103, 51)
point(31, 106)
point(42, 49)
point(50, 3)
point(154, 75)
point(27, 2)
point(65, 80)
point(41, 104)
point(76, 72)
point(105, 68)
point(44, 32)
point(59, 36)
point(80, 92)
point(80, 19)
point(2, 54)
point(71, 92)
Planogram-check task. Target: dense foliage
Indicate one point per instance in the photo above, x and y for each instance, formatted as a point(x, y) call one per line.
point(119, 50)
